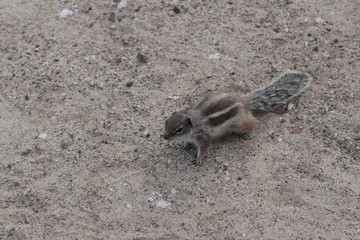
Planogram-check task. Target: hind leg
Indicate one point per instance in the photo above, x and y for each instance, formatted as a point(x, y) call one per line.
point(245, 125)
point(245, 136)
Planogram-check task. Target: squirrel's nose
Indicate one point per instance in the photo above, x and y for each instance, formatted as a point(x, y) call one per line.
point(166, 136)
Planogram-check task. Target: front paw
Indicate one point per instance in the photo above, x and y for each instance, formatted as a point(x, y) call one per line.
point(196, 160)
point(186, 146)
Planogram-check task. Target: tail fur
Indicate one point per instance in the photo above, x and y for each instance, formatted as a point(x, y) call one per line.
point(282, 89)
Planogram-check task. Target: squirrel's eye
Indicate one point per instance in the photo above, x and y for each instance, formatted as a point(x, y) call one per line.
point(179, 130)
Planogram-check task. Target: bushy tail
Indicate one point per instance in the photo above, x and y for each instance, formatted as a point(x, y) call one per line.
point(282, 89)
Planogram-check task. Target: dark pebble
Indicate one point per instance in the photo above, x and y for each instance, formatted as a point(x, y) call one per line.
point(315, 49)
point(129, 84)
point(147, 135)
point(357, 138)
point(117, 60)
point(27, 97)
point(88, 10)
point(176, 9)
point(66, 145)
point(111, 17)
point(26, 152)
point(142, 58)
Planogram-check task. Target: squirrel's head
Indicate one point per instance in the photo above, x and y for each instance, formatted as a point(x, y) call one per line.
point(178, 125)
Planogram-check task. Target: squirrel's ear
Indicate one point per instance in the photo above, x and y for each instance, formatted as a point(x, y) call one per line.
point(189, 122)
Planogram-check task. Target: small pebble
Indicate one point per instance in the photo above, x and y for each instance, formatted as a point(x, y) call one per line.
point(66, 145)
point(65, 13)
point(129, 84)
point(290, 106)
point(27, 97)
point(213, 57)
point(146, 134)
point(319, 20)
point(315, 49)
point(117, 60)
point(88, 10)
point(26, 152)
point(176, 9)
point(122, 4)
point(296, 130)
point(175, 97)
point(111, 17)
point(42, 136)
point(357, 138)
point(142, 58)
point(162, 204)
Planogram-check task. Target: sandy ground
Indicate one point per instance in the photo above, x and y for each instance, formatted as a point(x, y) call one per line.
point(83, 101)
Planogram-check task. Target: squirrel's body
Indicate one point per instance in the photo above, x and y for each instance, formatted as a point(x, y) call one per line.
point(221, 114)
point(226, 113)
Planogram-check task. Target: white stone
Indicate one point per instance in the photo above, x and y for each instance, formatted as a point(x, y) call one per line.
point(122, 4)
point(290, 106)
point(162, 204)
point(42, 136)
point(214, 56)
point(65, 13)
point(319, 20)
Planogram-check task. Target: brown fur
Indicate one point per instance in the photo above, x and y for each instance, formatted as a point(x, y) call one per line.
point(248, 125)
point(218, 106)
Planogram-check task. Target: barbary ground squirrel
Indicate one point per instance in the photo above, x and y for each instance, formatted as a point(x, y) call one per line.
point(226, 113)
